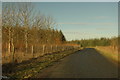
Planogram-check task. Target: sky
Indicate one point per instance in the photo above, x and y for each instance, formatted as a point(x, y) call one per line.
point(59, 0)
point(83, 20)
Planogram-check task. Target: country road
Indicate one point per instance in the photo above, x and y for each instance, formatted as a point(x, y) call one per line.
point(87, 63)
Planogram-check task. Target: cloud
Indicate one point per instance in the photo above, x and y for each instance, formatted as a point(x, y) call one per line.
point(80, 33)
point(105, 28)
point(84, 23)
point(73, 23)
point(100, 17)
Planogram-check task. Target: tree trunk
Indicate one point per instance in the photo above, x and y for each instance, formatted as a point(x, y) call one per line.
point(43, 49)
point(26, 43)
point(32, 51)
point(12, 51)
point(51, 49)
point(56, 48)
point(9, 41)
point(12, 47)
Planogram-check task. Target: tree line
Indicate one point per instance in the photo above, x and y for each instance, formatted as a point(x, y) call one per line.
point(23, 26)
point(97, 42)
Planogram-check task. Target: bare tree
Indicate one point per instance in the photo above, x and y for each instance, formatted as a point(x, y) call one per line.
point(50, 23)
point(26, 30)
point(26, 16)
point(8, 20)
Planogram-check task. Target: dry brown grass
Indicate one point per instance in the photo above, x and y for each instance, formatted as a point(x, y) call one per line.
point(31, 67)
point(109, 52)
point(20, 55)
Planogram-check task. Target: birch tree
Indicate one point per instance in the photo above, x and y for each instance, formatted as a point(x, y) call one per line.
point(26, 16)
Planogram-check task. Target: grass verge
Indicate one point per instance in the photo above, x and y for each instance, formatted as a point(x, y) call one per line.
point(110, 54)
point(29, 68)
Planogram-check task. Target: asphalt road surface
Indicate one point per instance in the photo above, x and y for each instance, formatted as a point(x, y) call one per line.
point(87, 63)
